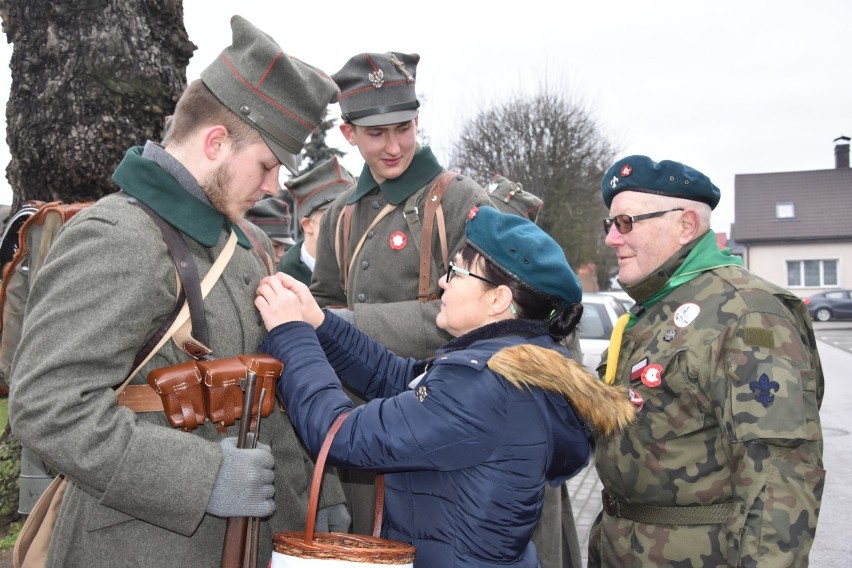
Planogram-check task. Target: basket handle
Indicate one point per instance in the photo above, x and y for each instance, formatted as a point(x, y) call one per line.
point(316, 482)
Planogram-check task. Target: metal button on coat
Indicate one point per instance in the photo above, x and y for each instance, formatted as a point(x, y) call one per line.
point(362, 297)
point(375, 205)
point(246, 278)
point(370, 235)
point(365, 264)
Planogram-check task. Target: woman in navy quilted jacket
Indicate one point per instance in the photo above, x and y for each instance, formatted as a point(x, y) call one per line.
point(468, 438)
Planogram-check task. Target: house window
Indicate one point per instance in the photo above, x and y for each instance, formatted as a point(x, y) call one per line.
point(811, 273)
point(785, 210)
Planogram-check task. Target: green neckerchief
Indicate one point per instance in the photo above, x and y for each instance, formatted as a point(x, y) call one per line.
point(703, 254)
point(145, 180)
point(423, 169)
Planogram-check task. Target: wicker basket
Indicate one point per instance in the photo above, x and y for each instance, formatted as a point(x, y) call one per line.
point(337, 550)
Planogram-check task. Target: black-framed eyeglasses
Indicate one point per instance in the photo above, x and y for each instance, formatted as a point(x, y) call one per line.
point(624, 223)
point(455, 269)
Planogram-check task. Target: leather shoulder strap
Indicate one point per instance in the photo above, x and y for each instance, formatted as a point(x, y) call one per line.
point(188, 273)
point(341, 241)
point(432, 208)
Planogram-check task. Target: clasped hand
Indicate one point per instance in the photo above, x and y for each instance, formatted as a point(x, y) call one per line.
point(281, 299)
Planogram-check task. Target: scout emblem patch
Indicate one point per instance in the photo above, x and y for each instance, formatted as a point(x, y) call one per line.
point(652, 375)
point(472, 213)
point(626, 170)
point(398, 240)
point(670, 334)
point(762, 389)
point(685, 314)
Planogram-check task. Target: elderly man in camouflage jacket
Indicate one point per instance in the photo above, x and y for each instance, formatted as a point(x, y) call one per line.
point(724, 465)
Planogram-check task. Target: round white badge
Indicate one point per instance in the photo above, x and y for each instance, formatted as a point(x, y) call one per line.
point(685, 314)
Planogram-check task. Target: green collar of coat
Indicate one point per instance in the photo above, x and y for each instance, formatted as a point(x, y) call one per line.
point(423, 169)
point(145, 180)
point(696, 257)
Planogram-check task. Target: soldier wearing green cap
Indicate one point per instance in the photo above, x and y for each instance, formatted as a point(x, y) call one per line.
point(141, 492)
point(724, 464)
point(313, 193)
point(469, 438)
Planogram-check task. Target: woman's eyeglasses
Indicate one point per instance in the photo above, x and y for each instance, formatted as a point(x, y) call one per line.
point(455, 269)
point(624, 223)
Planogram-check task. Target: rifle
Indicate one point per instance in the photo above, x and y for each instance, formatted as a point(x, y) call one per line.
point(241, 544)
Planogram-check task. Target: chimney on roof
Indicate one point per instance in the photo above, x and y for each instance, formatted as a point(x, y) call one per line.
point(841, 152)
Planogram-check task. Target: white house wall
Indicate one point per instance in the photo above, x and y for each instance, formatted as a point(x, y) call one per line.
point(770, 262)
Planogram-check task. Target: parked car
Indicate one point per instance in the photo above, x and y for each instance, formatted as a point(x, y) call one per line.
point(600, 312)
point(833, 304)
point(622, 297)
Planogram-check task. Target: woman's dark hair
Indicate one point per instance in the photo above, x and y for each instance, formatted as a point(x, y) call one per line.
point(561, 318)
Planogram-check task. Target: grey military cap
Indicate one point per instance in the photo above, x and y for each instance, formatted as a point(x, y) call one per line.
point(510, 197)
point(378, 88)
point(317, 188)
point(280, 96)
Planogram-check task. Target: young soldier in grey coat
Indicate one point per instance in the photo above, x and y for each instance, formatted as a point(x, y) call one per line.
point(141, 492)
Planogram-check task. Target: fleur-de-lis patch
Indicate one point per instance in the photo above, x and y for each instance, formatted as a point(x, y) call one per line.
point(762, 389)
point(421, 393)
point(377, 78)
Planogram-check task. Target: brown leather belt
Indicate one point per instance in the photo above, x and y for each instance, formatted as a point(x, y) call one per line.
point(140, 398)
point(657, 515)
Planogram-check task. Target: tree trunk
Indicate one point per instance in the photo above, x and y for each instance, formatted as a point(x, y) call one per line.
point(90, 78)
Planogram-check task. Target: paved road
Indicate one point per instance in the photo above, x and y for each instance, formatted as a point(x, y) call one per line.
point(833, 545)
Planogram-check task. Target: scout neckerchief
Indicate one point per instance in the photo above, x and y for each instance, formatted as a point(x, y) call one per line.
point(706, 255)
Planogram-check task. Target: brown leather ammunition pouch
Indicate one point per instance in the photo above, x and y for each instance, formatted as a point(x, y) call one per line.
point(196, 391)
point(179, 387)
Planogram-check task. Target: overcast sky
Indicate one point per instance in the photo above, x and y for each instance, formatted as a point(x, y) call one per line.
point(728, 87)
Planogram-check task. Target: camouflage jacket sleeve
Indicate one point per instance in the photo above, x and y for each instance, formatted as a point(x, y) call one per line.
point(769, 409)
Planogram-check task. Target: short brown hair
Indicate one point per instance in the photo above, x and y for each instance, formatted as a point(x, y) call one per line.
point(198, 108)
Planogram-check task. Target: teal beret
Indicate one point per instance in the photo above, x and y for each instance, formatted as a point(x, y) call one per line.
point(281, 97)
point(524, 251)
point(641, 173)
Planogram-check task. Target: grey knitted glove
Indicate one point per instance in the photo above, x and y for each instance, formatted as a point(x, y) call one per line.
point(344, 313)
point(243, 487)
point(334, 518)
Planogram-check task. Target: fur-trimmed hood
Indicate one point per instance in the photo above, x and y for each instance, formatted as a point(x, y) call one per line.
point(605, 409)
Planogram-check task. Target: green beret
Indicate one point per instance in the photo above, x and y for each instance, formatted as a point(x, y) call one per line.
point(641, 173)
point(523, 251)
point(281, 97)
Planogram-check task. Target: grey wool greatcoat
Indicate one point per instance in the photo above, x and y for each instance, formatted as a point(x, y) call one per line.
point(139, 488)
point(382, 288)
